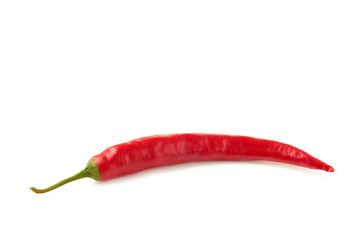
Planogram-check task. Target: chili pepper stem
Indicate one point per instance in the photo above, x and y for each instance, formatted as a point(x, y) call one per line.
point(91, 171)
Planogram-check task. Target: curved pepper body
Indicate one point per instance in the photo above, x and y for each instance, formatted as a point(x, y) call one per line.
point(162, 150)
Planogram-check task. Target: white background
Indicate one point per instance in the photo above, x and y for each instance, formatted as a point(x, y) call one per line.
point(79, 76)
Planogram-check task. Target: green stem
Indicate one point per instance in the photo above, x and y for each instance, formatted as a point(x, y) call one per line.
point(91, 171)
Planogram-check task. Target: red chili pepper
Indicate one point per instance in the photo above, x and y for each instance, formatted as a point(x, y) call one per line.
point(161, 150)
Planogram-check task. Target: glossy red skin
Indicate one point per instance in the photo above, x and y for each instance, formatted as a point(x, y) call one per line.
point(162, 150)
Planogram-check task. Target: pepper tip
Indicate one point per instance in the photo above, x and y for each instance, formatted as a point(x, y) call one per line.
point(330, 169)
